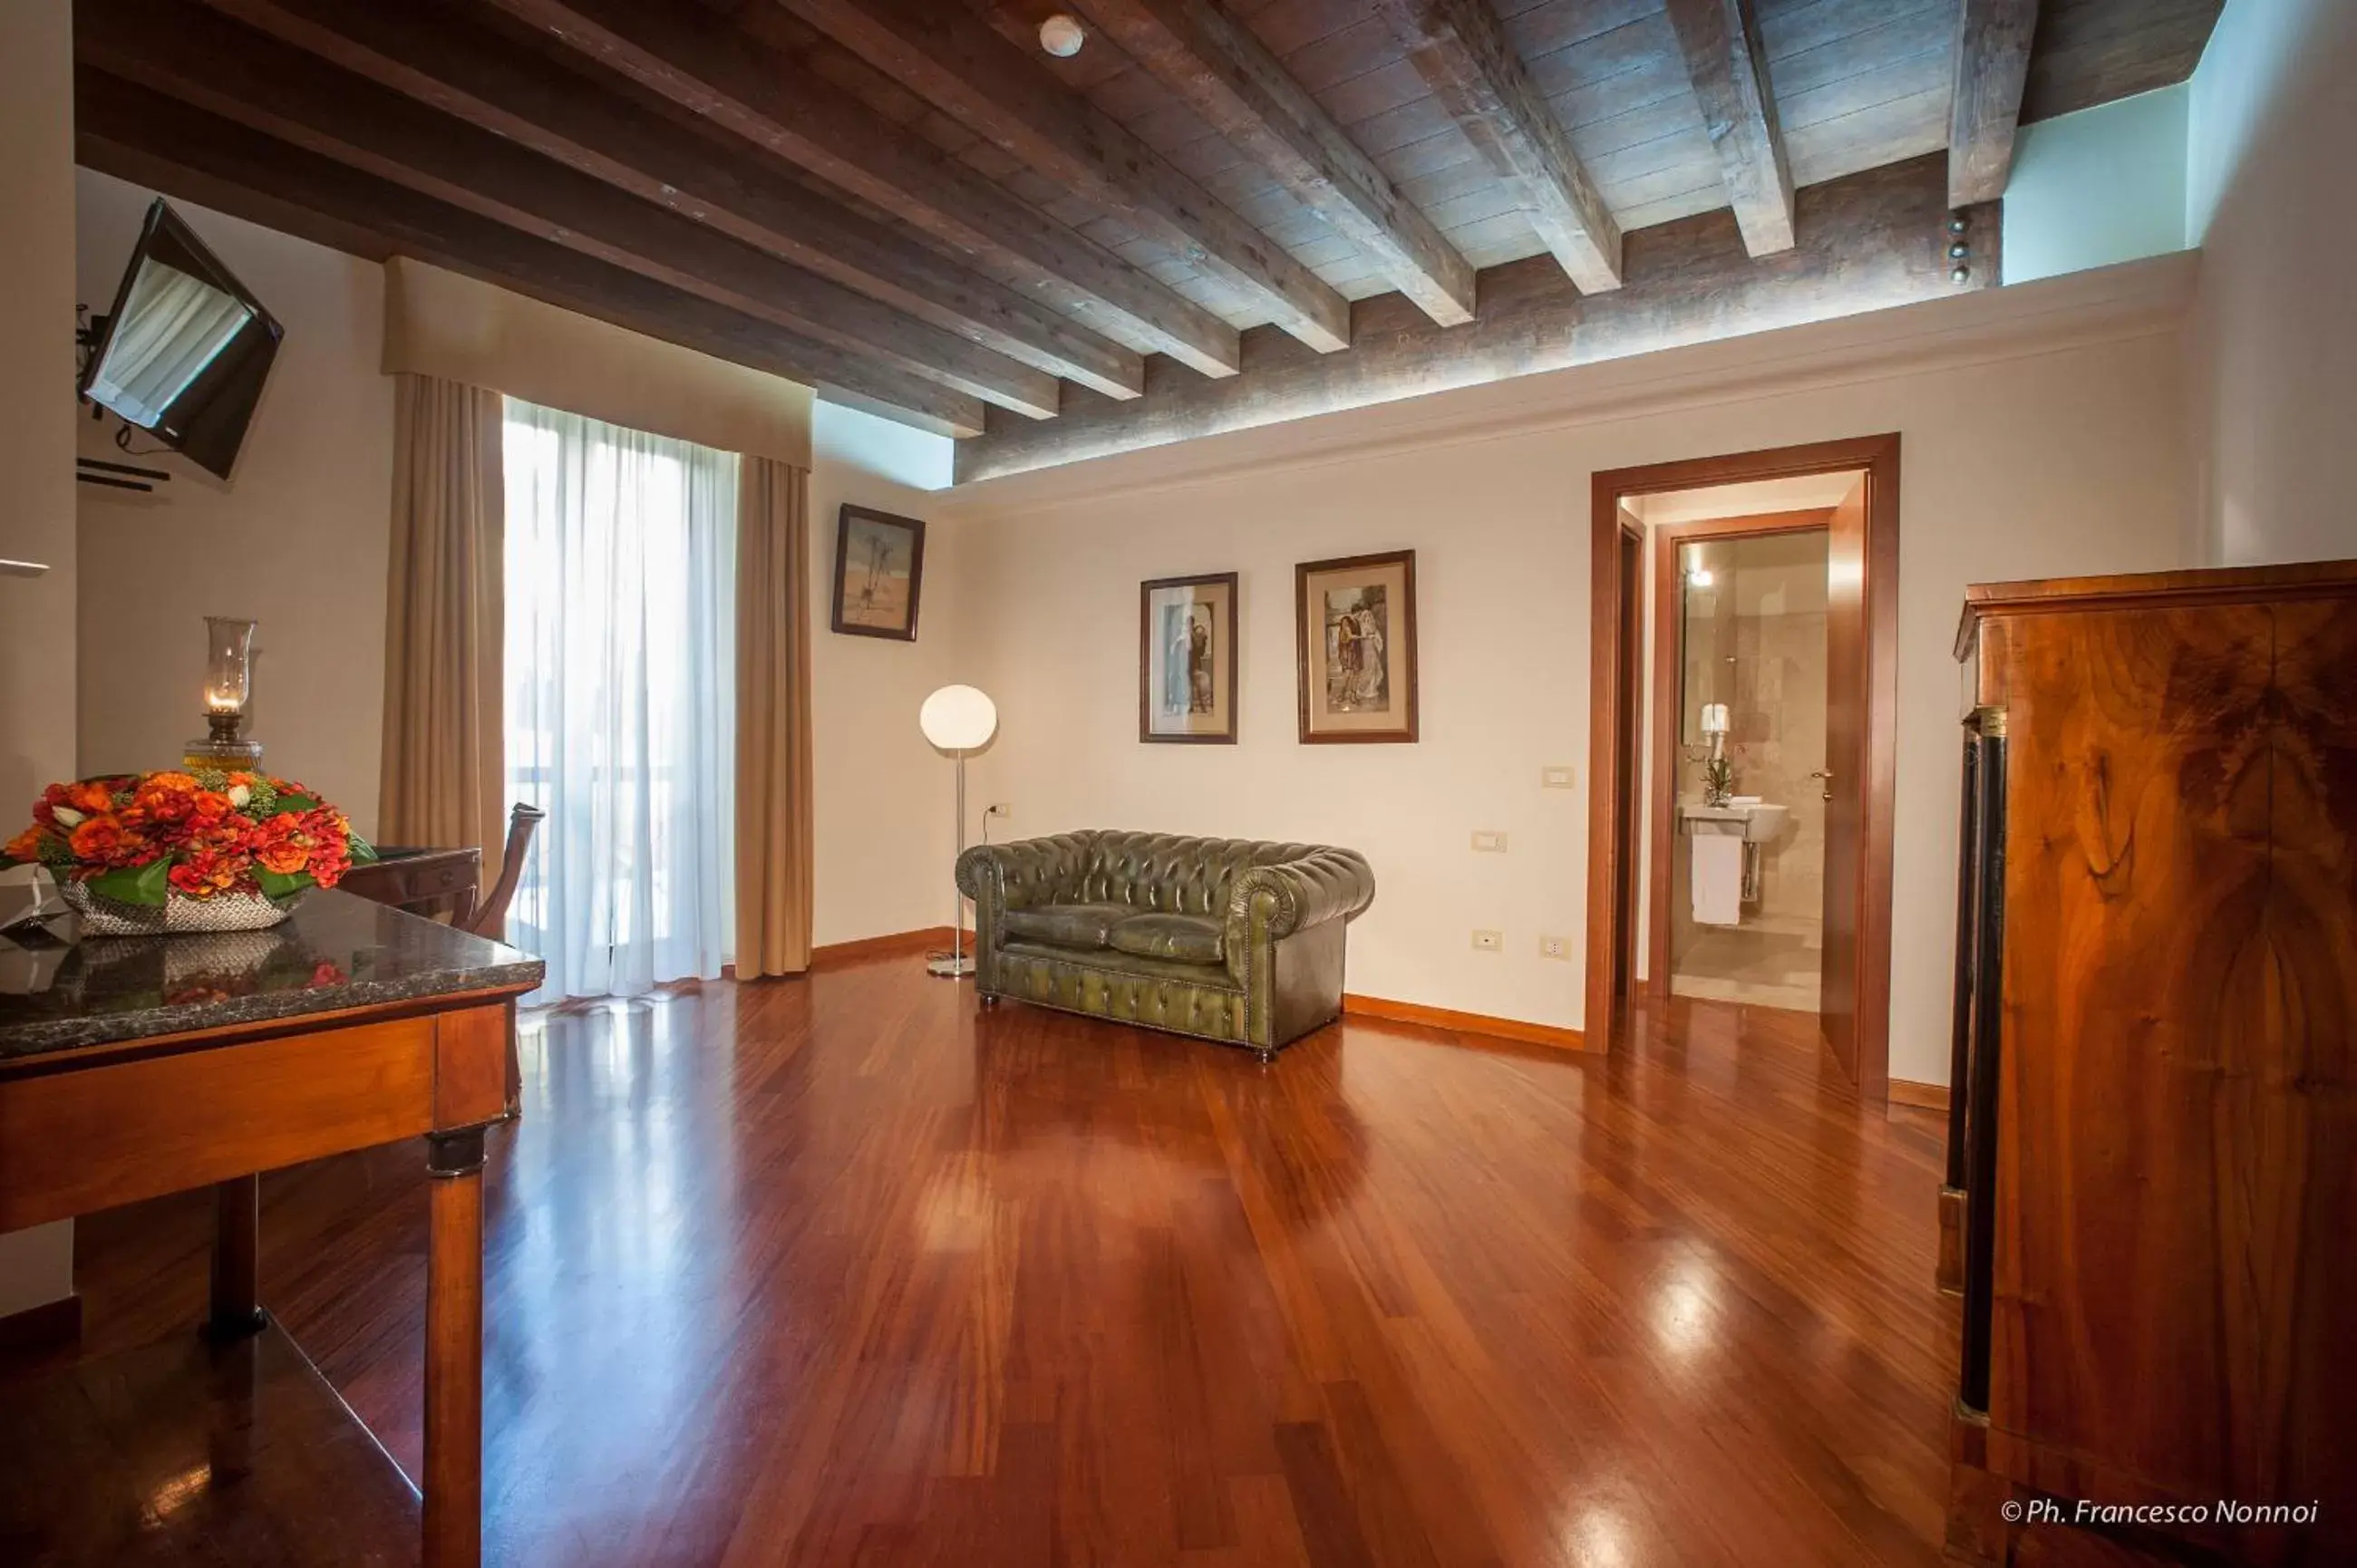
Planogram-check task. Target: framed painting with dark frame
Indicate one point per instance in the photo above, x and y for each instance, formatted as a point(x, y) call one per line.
point(1187, 659)
point(1354, 636)
point(880, 572)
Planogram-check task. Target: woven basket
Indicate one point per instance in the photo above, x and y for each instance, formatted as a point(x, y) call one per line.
point(179, 915)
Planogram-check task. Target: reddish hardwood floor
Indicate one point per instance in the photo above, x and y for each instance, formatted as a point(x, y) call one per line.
point(842, 1271)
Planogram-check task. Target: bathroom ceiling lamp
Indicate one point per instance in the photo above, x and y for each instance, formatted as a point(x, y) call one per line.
point(1062, 36)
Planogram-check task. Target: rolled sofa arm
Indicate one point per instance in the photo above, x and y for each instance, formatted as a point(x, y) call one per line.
point(1023, 873)
point(1321, 886)
point(1017, 875)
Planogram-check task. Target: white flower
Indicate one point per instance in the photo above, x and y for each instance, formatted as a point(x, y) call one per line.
point(239, 794)
point(67, 816)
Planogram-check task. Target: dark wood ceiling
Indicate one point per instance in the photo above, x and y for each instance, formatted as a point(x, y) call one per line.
point(910, 204)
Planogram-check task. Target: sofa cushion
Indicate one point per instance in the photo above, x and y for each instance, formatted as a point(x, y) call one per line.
point(1189, 938)
point(1111, 965)
point(1082, 926)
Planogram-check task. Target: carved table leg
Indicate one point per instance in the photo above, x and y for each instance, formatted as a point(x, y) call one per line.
point(235, 1310)
point(453, 1481)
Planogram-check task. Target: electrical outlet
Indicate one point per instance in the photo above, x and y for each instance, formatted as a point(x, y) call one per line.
point(1488, 941)
point(1555, 947)
point(1554, 778)
point(1490, 843)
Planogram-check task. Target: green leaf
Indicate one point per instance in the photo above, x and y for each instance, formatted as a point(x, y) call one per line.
point(299, 804)
point(280, 884)
point(147, 884)
point(361, 851)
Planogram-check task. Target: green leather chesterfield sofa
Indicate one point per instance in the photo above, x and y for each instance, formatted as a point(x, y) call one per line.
point(1217, 938)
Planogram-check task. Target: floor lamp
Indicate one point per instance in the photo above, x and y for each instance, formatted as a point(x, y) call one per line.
point(957, 719)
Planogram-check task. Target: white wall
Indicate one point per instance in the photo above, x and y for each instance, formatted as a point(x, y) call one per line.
point(883, 812)
point(296, 539)
point(2024, 466)
point(2271, 127)
point(2104, 185)
point(37, 484)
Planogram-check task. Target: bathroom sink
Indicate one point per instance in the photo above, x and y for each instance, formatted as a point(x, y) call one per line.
point(1753, 819)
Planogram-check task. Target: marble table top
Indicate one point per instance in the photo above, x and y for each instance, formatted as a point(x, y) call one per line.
point(335, 952)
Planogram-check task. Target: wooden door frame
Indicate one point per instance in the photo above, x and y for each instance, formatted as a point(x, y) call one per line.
point(1614, 801)
point(1610, 931)
point(1661, 793)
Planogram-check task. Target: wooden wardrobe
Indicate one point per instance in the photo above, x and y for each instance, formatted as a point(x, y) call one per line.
point(2152, 1213)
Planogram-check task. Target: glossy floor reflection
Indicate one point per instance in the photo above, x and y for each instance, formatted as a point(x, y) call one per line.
point(840, 1270)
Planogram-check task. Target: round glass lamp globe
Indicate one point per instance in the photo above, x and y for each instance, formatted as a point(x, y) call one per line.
point(958, 718)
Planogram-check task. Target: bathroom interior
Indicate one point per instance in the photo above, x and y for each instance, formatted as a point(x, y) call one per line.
point(1747, 914)
point(1746, 780)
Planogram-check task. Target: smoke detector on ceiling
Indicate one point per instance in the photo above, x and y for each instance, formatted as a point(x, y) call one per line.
point(1062, 36)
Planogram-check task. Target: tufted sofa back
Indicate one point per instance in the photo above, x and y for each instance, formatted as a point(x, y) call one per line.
point(1165, 872)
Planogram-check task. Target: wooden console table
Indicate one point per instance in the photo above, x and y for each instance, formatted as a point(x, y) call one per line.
point(143, 1065)
point(422, 881)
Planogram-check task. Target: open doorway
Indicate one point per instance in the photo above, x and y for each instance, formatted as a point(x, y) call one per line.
point(1738, 771)
point(1742, 739)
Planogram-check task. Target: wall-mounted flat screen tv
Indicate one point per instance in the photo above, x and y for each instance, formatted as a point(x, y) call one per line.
point(186, 347)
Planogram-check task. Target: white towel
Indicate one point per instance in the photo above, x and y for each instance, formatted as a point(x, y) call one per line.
point(1718, 880)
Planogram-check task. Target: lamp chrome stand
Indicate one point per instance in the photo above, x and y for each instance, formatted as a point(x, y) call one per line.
point(955, 964)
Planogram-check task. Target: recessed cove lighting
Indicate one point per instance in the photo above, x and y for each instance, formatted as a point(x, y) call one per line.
point(1062, 36)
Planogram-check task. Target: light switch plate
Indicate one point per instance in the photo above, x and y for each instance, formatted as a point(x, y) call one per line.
point(1555, 777)
point(1488, 941)
point(1555, 947)
point(1489, 842)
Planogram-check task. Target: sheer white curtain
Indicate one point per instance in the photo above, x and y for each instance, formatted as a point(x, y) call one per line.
point(621, 722)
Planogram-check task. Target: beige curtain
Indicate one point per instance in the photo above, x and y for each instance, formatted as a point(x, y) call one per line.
point(445, 623)
point(773, 732)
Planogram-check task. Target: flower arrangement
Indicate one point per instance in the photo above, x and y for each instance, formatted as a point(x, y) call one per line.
point(151, 840)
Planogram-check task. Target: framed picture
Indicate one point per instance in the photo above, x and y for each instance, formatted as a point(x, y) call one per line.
point(879, 570)
point(1187, 659)
point(1354, 624)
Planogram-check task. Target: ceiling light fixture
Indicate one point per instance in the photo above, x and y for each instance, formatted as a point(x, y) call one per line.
point(1062, 36)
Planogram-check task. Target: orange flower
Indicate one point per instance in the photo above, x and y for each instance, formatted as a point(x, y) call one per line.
point(103, 841)
point(25, 848)
point(90, 797)
point(204, 874)
point(280, 845)
point(165, 797)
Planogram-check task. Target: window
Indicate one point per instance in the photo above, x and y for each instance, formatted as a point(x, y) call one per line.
point(621, 610)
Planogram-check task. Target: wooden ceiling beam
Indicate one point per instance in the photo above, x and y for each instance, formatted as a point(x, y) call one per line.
point(1459, 48)
point(1992, 68)
point(955, 60)
point(1872, 241)
point(1207, 57)
point(462, 71)
point(179, 149)
point(699, 61)
point(275, 89)
point(1728, 65)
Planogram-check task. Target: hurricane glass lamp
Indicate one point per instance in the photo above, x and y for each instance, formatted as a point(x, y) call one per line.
point(957, 719)
point(229, 684)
